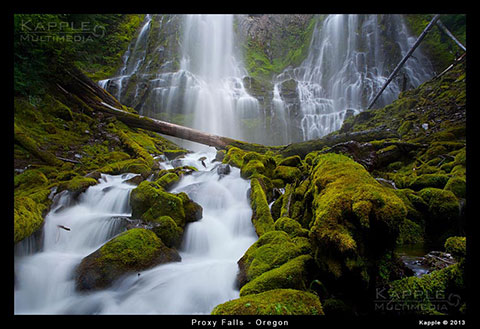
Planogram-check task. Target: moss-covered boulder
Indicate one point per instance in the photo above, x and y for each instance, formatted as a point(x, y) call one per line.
point(458, 186)
point(27, 216)
point(168, 231)
point(293, 274)
point(287, 174)
point(251, 168)
point(77, 185)
point(131, 251)
point(149, 202)
point(442, 219)
point(234, 157)
point(193, 211)
point(435, 293)
point(168, 180)
point(429, 180)
point(457, 246)
point(290, 226)
point(261, 217)
point(410, 233)
point(356, 219)
point(272, 302)
point(271, 250)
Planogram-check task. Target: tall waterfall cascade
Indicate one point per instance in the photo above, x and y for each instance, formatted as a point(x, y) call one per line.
point(350, 58)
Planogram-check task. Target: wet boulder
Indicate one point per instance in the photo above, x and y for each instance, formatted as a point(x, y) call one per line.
point(132, 251)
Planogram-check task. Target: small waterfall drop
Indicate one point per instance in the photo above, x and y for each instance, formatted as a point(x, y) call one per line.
point(203, 279)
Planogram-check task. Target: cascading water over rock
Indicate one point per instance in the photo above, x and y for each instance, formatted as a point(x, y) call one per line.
point(203, 279)
point(349, 59)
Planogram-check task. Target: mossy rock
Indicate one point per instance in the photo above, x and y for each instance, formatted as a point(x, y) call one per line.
point(193, 211)
point(30, 178)
point(77, 185)
point(261, 217)
point(416, 206)
point(273, 302)
point(292, 161)
point(443, 214)
point(131, 251)
point(457, 185)
point(251, 168)
point(290, 226)
point(457, 246)
point(149, 202)
point(168, 231)
point(134, 166)
point(168, 180)
point(429, 180)
point(27, 216)
point(423, 291)
point(293, 274)
point(172, 154)
point(287, 174)
point(354, 216)
point(271, 250)
point(234, 157)
point(410, 233)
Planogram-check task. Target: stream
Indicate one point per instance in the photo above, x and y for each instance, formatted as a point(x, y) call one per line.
point(203, 279)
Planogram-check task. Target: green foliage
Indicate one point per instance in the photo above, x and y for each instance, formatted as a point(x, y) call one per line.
point(43, 43)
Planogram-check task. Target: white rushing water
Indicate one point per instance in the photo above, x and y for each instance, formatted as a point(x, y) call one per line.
point(203, 279)
point(349, 59)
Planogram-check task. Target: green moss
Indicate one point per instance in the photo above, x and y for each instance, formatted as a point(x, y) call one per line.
point(271, 250)
point(442, 214)
point(420, 295)
point(251, 168)
point(149, 202)
point(168, 231)
point(27, 216)
point(287, 174)
point(131, 251)
point(410, 233)
point(30, 178)
point(458, 186)
point(234, 157)
point(290, 226)
point(77, 184)
point(293, 275)
point(441, 203)
point(134, 166)
point(134, 247)
point(350, 208)
point(272, 302)
point(293, 161)
point(134, 147)
point(429, 180)
point(457, 246)
point(261, 218)
point(193, 211)
point(167, 180)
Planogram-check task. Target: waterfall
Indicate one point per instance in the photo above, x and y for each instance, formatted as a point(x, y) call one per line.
point(349, 59)
point(206, 92)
